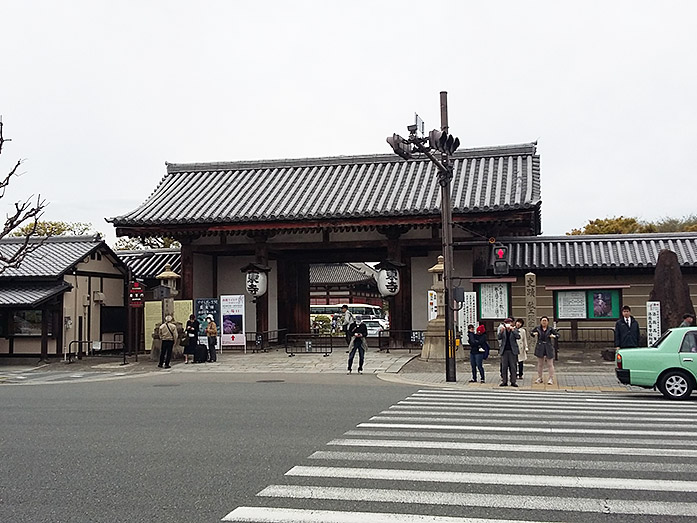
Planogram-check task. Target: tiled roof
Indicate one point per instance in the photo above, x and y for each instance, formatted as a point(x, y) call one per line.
point(602, 251)
point(53, 258)
point(147, 264)
point(344, 187)
point(30, 295)
point(333, 273)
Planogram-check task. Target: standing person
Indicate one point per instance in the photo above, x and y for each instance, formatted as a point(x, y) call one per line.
point(168, 333)
point(626, 330)
point(358, 332)
point(522, 345)
point(476, 353)
point(212, 334)
point(191, 331)
point(347, 320)
point(508, 343)
point(688, 320)
point(544, 348)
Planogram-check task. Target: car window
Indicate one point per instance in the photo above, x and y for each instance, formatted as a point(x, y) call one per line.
point(689, 342)
point(658, 342)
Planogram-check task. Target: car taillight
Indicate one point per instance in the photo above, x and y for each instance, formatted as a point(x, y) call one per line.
point(619, 360)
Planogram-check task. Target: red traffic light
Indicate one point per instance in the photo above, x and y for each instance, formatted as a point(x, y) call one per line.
point(500, 253)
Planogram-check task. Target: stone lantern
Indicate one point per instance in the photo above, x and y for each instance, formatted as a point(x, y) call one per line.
point(434, 338)
point(166, 291)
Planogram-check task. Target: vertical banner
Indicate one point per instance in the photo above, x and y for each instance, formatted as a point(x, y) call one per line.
point(467, 315)
point(653, 321)
point(203, 307)
point(530, 302)
point(432, 305)
point(232, 311)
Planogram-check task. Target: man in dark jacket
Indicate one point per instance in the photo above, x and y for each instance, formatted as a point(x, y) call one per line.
point(508, 343)
point(626, 330)
point(358, 332)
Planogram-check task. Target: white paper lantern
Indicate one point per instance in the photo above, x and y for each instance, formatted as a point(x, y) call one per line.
point(388, 281)
point(256, 283)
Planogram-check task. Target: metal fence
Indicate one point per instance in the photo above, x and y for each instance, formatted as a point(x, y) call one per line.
point(310, 343)
point(401, 339)
point(265, 340)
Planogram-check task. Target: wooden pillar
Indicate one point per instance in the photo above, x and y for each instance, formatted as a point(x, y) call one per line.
point(262, 302)
point(400, 305)
point(293, 295)
point(187, 290)
point(45, 318)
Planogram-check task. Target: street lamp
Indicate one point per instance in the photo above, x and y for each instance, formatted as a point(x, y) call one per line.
point(446, 144)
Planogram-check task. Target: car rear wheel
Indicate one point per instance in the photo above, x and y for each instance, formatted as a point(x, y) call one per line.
point(675, 385)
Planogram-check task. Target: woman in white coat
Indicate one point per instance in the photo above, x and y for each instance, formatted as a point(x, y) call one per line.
point(522, 345)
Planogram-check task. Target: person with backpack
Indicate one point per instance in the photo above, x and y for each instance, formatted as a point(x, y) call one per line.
point(168, 333)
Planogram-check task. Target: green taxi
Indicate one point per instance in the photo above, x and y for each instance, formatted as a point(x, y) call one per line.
point(670, 364)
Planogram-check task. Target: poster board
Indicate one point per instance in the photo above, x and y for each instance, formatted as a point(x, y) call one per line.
point(202, 308)
point(153, 315)
point(232, 325)
point(153, 319)
point(493, 300)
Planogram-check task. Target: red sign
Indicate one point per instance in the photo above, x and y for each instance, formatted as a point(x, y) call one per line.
point(136, 295)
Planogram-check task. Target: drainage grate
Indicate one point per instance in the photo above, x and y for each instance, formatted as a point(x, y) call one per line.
point(270, 381)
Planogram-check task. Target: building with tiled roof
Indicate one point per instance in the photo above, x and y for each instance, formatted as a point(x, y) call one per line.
point(67, 288)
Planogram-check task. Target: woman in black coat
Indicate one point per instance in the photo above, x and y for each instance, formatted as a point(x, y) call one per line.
point(191, 332)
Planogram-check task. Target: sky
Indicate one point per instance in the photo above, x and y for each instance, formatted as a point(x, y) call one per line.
point(97, 96)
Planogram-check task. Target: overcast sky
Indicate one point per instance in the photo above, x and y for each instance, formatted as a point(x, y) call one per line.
point(97, 95)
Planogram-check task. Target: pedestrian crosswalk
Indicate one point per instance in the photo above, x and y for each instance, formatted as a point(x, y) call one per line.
point(445, 456)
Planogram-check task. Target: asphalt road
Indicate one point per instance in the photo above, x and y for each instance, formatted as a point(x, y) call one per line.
point(330, 448)
point(164, 447)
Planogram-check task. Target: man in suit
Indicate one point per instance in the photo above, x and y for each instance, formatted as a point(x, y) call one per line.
point(508, 350)
point(626, 330)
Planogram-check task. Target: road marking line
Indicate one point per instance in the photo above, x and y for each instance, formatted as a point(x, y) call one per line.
point(528, 502)
point(508, 462)
point(497, 414)
point(511, 399)
point(560, 438)
point(499, 407)
point(537, 448)
point(547, 430)
point(530, 480)
point(540, 421)
point(293, 515)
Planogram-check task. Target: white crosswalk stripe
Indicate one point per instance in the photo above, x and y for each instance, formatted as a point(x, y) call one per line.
point(446, 456)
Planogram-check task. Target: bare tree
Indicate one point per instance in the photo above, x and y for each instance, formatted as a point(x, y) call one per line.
point(25, 213)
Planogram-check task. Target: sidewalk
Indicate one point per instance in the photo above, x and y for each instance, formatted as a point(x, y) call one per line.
point(576, 370)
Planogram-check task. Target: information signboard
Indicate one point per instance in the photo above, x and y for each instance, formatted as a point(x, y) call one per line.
point(493, 300)
point(232, 311)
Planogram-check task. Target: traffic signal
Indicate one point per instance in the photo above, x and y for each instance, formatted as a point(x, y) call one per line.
point(400, 146)
point(501, 260)
point(443, 142)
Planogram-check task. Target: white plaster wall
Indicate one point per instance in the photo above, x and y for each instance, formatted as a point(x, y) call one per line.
point(422, 280)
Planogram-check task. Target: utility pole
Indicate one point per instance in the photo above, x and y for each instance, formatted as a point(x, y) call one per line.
point(446, 144)
point(444, 178)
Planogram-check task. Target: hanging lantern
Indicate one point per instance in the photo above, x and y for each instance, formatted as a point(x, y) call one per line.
point(388, 277)
point(256, 279)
